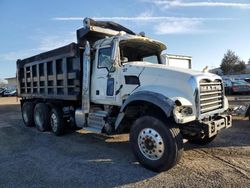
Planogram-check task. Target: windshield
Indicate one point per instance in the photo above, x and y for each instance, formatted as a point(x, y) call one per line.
point(151, 59)
point(139, 50)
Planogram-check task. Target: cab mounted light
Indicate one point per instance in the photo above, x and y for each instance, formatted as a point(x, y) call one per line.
point(142, 33)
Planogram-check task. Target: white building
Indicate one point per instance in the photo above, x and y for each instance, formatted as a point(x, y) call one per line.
point(11, 82)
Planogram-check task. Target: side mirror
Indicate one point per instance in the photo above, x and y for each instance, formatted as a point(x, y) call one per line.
point(115, 46)
point(124, 60)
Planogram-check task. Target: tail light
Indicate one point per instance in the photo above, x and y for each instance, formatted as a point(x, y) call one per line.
point(235, 88)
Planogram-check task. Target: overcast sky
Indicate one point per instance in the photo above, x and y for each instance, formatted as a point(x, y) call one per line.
point(203, 29)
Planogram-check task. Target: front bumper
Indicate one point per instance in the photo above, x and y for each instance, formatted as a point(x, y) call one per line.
point(213, 127)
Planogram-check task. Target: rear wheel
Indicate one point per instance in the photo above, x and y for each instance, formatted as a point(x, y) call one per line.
point(41, 117)
point(27, 113)
point(157, 146)
point(56, 121)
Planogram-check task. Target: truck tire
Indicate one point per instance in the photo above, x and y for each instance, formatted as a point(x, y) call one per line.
point(27, 113)
point(56, 121)
point(41, 117)
point(201, 141)
point(156, 145)
point(248, 113)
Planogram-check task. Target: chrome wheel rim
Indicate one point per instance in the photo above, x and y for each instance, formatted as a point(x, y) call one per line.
point(151, 144)
point(53, 122)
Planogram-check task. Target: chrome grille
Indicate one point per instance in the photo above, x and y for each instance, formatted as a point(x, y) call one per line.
point(211, 95)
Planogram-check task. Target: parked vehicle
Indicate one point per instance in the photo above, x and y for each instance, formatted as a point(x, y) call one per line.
point(108, 82)
point(10, 93)
point(2, 91)
point(247, 80)
point(236, 87)
point(227, 86)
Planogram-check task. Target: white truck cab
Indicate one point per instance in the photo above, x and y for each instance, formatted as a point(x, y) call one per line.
point(137, 67)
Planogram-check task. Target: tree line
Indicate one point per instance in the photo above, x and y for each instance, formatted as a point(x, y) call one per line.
point(232, 64)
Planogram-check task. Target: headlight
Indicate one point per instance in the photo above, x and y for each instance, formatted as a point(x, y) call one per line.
point(182, 111)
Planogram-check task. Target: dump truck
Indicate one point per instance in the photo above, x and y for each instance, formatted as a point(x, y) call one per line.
point(113, 81)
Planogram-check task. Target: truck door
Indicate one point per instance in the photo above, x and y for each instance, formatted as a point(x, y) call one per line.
point(104, 77)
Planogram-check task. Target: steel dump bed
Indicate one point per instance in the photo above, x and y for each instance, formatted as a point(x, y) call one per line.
point(55, 74)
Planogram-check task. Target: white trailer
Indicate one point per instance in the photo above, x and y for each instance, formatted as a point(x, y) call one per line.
point(178, 61)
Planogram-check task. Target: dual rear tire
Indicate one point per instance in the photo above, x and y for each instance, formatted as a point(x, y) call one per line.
point(56, 121)
point(41, 117)
point(45, 118)
point(27, 114)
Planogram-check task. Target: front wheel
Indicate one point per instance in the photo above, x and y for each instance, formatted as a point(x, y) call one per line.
point(156, 145)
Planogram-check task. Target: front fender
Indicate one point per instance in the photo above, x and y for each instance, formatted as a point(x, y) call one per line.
point(164, 103)
point(186, 98)
point(171, 93)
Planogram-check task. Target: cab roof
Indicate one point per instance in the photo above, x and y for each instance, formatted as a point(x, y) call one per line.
point(124, 38)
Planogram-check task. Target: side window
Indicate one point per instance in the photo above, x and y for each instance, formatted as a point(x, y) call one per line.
point(104, 60)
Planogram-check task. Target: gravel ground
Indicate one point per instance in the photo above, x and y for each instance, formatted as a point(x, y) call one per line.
point(29, 158)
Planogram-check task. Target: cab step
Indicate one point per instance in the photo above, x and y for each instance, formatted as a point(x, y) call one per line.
point(96, 121)
point(93, 129)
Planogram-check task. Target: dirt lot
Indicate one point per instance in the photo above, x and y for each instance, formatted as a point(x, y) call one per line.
point(29, 158)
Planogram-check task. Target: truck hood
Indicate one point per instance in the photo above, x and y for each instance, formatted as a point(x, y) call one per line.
point(174, 83)
point(157, 67)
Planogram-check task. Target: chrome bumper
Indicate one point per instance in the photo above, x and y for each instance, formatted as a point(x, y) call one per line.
point(221, 122)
